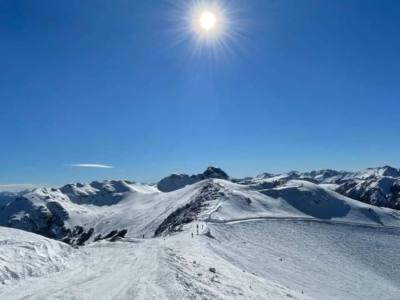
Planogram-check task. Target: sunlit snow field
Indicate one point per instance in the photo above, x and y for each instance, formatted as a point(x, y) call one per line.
point(258, 259)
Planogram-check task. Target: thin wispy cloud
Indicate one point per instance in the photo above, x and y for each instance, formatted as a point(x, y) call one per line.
point(99, 166)
point(16, 187)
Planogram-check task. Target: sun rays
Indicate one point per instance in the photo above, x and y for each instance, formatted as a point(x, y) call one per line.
point(214, 28)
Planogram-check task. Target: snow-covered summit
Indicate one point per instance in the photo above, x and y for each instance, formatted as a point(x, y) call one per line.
point(178, 181)
point(385, 171)
point(107, 192)
point(377, 186)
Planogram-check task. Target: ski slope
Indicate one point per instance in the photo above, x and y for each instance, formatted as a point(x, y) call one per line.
point(254, 259)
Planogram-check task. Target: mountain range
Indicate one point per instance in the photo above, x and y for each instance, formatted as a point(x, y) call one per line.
point(303, 235)
point(80, 213)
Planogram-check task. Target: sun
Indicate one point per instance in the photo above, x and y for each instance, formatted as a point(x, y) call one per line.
point(207, 20)
point(215, 28)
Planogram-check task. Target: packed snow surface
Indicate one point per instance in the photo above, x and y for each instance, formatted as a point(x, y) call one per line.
point(253, 259)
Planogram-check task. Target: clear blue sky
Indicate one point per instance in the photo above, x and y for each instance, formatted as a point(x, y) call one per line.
point(307, 85)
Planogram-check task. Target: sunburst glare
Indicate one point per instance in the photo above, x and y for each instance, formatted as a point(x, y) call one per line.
point(208, 20)
point(207, 26)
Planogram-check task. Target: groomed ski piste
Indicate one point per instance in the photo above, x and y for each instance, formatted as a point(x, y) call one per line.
point(213, 239)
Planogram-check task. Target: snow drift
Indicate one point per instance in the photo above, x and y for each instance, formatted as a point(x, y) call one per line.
point(24, 255)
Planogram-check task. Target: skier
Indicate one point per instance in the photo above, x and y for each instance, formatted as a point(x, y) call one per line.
point(192, 234)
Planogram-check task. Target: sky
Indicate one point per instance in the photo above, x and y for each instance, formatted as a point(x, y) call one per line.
point(122, 89)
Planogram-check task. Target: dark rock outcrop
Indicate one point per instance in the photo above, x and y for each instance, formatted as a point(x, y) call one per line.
point(177, 181)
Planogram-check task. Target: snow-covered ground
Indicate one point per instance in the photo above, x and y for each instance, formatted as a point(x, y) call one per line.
point(24, 255)
point(254, 259)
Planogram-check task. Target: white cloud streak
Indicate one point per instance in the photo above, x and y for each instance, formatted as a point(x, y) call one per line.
point(16, 187)
point(99, 166)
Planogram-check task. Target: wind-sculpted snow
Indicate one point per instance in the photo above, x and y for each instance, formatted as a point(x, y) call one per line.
point(24, 255)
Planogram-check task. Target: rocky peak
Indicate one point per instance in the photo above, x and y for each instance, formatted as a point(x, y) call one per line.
point(213, 172)
point(178, 181)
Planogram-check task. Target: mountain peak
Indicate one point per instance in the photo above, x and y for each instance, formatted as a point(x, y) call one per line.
point(380, 171)
point(175, 182)
point(214, 172)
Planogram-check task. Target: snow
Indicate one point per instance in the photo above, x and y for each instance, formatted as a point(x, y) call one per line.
point(378, 172)
point(97, 209)
point(103, 193)
point(24, 254)
point(377, 186)
point(6, 197)
point(255, 259)
point(178, 181)
point(299, 199)
point(213, 239)
point(329, 186)
point(323, 261)
point(142, 209)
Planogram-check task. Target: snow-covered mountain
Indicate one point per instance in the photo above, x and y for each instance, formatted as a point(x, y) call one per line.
point(212, 237)
point(7, 197)
point(83, 213)
point(377, 186)
point(71, 212)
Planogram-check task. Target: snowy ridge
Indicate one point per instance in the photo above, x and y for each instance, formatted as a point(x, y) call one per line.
point(297, 199)
point(377, 186)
